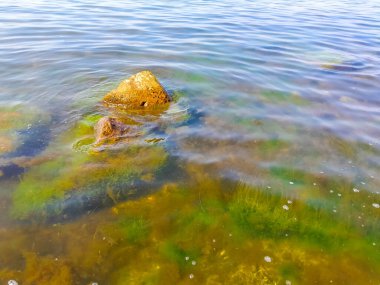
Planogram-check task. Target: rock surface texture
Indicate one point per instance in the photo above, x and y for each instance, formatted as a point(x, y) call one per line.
point(108, 128)
point(140, 90)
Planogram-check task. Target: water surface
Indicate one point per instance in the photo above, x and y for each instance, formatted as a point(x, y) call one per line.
point(264, 170)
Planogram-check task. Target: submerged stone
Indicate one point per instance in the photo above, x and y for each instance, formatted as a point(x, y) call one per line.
point(140, 90)
point(110, 129)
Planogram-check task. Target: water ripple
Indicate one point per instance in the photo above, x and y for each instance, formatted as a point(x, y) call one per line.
point(257, 69)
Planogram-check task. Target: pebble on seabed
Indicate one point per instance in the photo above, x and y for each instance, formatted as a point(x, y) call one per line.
point(12, 282)
point(268, 259)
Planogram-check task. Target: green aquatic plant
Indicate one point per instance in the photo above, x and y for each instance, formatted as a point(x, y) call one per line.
point(281, 97)
point(75, 170)
point(180, 255)
point(217, 232)
point(56, 180)
point(253, 275)
point(264, 215)
point(270, 147)
point(174, 253)
point(345, 148)
point(44, 183)
point(134, 229)
point(291, 175)
point(81, 135)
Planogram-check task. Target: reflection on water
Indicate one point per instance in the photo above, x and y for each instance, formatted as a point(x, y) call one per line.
point(264, 170)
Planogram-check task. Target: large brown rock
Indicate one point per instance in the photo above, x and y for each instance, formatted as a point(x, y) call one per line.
point(110, 130)
point(140, 90)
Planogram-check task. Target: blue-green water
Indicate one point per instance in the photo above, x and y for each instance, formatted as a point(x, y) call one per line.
point(279, 96)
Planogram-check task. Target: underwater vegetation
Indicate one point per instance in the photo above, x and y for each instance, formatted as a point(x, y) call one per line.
point(205, 231)
point(129, 211)
point(76, 175)
point(100, 160)
point(261, 166)
point(281, 97)
point(106, 214)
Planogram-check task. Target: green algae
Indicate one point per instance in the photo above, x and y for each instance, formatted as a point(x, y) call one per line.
point(180, 256)
point(263, 215)
point(291, 175)
point(45, 182)
point(253, 275)
point(281, 97)
point(215, 231)
point(135, 230)
point(82, 133)
point(54, 180)
point(77, 167)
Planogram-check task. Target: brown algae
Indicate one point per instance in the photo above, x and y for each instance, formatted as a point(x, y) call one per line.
point(201, 232)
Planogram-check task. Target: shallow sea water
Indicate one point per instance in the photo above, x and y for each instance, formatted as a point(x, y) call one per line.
point(263, 170)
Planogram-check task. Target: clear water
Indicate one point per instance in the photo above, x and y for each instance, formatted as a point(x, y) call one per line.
point(270, 152)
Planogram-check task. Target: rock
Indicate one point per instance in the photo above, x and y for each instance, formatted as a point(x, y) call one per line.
point(140, 90)
point(109, 129)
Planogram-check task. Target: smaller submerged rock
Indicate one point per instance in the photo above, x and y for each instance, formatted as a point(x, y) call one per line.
point(140, 90)
point(110, 129)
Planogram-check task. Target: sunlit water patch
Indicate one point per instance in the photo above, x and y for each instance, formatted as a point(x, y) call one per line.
point(263, 170)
